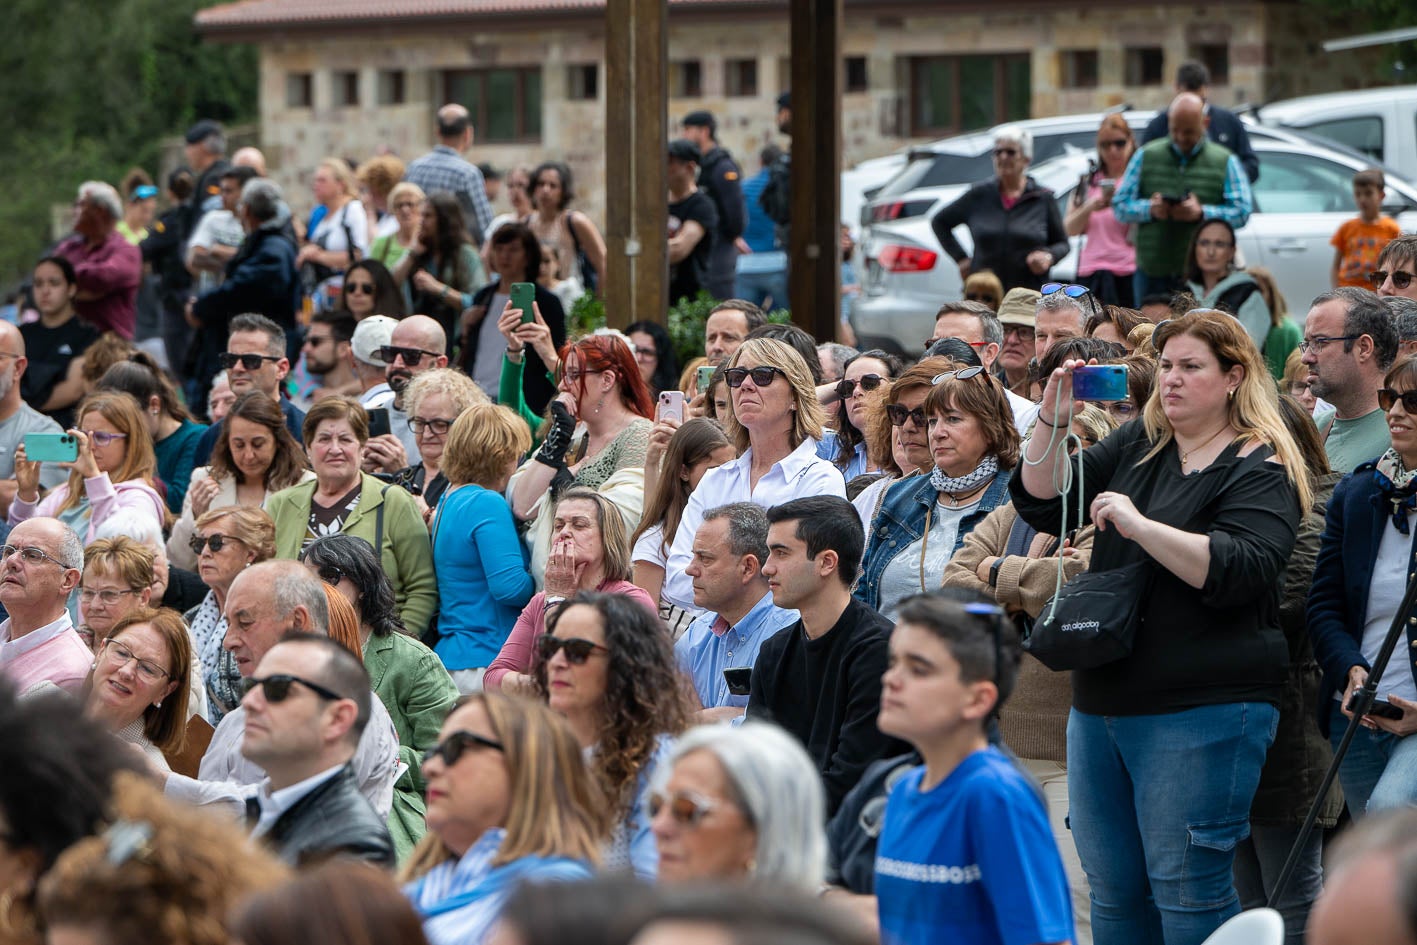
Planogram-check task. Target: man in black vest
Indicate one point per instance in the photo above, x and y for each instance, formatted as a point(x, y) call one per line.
point(722, 179)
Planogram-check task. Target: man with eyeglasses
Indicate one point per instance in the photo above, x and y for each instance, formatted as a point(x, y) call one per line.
point(306, 708)
point(1018, 318)
point(40, 565)
point(254, 361)
point(266, 602)
point(416, 346)
point(976, 325)
point(328, 357)
point(18, 418)
point(1349, 343)
point(1396, 273)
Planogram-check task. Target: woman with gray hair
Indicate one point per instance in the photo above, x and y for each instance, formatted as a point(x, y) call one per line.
point(1014, 222)
point(739, 803)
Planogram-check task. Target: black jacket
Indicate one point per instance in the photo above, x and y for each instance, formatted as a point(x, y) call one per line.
point(1004, 238)
point(332, 820)
point(1225, 128)
point(722, 179)
point(536, 388)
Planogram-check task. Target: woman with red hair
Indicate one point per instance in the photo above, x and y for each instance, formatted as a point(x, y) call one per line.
point(1108, 258)
point(596, 435)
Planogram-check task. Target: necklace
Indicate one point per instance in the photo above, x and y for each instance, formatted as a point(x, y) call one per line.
point(1186, 454)
point(956, 496)
point(925, 536)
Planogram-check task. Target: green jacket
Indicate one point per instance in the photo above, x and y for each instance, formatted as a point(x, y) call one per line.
point(407, 554)
point(418, 692)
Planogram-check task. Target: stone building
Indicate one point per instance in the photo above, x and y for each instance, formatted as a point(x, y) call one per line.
point(355, 77)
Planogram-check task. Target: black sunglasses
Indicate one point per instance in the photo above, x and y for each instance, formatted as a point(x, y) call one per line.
point(1399, 278)
point(451, 748)
point(897, 414)
point(411, 356)
point(577, 649)
point(250, 362)
point(1387, 397)
point(762, 376)
point(217, 542)
point(277, 688)
point(330, 574)
point(868, 382)
point(359, 288)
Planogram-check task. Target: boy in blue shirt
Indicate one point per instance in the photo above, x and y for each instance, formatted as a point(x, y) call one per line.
point(966, 853)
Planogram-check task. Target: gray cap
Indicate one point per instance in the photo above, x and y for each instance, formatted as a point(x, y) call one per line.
point(370, 335)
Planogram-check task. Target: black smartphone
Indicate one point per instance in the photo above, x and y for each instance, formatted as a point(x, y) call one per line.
point(1174, 198)
point(1381, 708)
point(738, 679)
point(379, 422)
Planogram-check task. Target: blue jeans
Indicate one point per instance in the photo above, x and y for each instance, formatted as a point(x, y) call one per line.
point(1258, 863)
point(1158, 804)
point(757, 287)
point(1380, 770)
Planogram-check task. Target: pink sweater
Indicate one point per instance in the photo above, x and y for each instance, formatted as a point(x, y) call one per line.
point(104, 499)
point(64, 661)
point(517, 651)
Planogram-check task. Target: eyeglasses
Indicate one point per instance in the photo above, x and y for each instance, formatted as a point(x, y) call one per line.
point(1025, 332)
point(1071, 290)
point(1115, 143)
point(250, 362)
point(1006, 152)
point(439, 426)
point(577, 650)
point(451, 748)
point(686, 809)
point(1319, 342)
point(359, 288)
point(1121, 410)
point(1399, 278)
point(762, 376)
point(1211, 245)
point(121, 656)
point(30, 555)
point(898, 414)
point(963, 375)
point(107, 597)
point(277, 688)
point(640, 350)
point(574, 375)
point(1387, 398)
point(330, 574)
point(217, 542)
point(411, 356)
point(867, 382)
point(102, 438)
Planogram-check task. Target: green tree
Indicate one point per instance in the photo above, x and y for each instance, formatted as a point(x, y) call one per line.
point(92, 90)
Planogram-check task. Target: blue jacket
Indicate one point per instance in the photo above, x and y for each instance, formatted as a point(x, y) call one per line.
point(902, 521)
point(260, 278)
point(1338, 597)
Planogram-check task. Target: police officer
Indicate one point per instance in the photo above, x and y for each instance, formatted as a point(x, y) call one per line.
point(721, 178)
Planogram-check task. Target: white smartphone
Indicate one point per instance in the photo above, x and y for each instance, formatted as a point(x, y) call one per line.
point(671, 404)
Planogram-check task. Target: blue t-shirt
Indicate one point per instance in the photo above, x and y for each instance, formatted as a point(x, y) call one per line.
point(758, 230)
point(972, 860)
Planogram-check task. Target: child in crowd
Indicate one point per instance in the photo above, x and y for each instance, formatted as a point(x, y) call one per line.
point(966, 853)
point(1358, 242)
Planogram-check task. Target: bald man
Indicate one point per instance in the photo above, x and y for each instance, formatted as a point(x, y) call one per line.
point(1171, 187)
point(417, 345)
point(1369, 884)
point(18, 418)
point(444, 168)
point(252, 158)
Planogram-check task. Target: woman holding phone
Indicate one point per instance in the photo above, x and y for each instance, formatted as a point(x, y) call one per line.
point(1108, 258)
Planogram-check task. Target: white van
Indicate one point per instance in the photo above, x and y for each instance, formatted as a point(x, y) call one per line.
point(1381, 123)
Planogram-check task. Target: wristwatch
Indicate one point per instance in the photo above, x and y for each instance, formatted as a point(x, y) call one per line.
point(994, 571)
point(555, 601)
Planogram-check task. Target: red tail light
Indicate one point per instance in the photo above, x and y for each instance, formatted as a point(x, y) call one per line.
point(906, 259)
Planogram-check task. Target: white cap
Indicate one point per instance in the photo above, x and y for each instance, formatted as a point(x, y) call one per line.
point(370, 335)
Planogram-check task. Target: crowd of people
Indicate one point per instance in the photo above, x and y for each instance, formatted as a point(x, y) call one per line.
point(494, 634)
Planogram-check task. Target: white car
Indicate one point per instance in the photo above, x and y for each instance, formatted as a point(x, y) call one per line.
point(1381, 123)
point(1302, 196)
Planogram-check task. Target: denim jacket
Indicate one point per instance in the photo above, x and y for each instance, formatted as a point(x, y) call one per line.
point(902, 521)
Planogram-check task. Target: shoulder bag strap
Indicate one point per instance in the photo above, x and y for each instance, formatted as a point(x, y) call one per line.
point(379, 522)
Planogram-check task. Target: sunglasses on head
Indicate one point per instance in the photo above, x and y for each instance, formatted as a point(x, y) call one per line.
point(359, 288)
point(277, 688)
point(251, 362)
point(1387, 397)
point(451, 748)
point(686, 810)
point(411, 356)
point(963, 375)
point(898, 414)
point(1400, 279)
point(217, 542)
point(762, 376)
point(1069, 289)
point(330, 574)
point(867, 382)
point(577, 649)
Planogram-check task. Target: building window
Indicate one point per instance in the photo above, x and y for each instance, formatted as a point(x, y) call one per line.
point(1216, 59)
point(955, 93)
point(740, 78)
point(392, 87)
point(1145, 65)
point(346, 89)
point(299, 90)
point(1079, 68)
point(505, 104)
point(855, 74)
point(583, 82)
point(686, 79)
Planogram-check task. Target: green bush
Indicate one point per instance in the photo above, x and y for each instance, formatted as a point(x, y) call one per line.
point(686, 321)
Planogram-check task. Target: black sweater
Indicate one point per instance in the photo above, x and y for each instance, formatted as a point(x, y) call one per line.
point(1221, 643)
point(827, 692)
point(1004, 238)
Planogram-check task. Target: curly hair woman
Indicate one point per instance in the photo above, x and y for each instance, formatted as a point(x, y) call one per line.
point(442, 269)
point(607, 666)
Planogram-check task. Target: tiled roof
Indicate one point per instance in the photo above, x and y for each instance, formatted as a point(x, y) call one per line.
point(245, 14)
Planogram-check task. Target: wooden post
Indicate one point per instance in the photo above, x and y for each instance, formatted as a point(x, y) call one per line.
point(814, 269)
point(636, 109)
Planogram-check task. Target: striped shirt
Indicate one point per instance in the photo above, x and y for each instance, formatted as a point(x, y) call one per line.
point(444, 169)
point(1237, 200)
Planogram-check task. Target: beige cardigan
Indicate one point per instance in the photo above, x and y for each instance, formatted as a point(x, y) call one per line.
point(179, 552)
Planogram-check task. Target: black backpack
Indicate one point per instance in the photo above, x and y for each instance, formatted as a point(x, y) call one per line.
point(776, 198)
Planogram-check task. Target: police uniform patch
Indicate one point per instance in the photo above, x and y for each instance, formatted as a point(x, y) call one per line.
point(730, 175)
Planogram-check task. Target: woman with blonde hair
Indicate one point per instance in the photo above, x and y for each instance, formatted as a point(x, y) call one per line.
point(510, 799)
point(1295, 381)
point(1201, 503)
point(406, 205)
point(141, 680)
point(775, 422)
point(377, 179)
point(433, 401)
point(1108, 259)
point(118, 578)
point(342, 235)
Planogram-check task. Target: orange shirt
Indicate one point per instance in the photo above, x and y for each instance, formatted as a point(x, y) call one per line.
point(1359, 244)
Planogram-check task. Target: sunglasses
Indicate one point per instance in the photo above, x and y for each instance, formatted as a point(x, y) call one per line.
point(103, 438)
point(1067, 288)
point(1024, 332)
point(687, 810)
point(330, 574)
point(762, 376)
point(963, 375)
point(359, 288)
point(251, 362)
point(577, 650)
point(277, 688)
point(1387, 397)
point(451, 748)
point(1400, 279)
point(898, 414)
point(867, 382)
point(1006, 152)
point(1118, 143)
point(217, 542)
point(980, 297)
point(411, 356)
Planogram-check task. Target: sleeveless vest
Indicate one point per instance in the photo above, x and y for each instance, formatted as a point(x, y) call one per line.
point(1162, 244)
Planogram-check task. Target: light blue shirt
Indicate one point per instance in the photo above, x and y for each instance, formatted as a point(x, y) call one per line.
point(1237, 200)
point(704, 655)
point(830, 445)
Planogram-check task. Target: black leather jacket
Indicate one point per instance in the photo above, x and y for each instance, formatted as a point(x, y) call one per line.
point(332, 820)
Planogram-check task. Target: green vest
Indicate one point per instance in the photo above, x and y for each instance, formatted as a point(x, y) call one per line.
point(1162, 244)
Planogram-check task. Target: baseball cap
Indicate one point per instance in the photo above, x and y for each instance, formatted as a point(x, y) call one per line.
point(683, 149)
point(1019, 307)
point(701, 119)
point(784, 100)
point(202, 130)
point(370, 335)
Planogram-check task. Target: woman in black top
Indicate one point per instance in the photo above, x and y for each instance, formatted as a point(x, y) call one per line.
point(1165, 745)
point(1014, 223)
